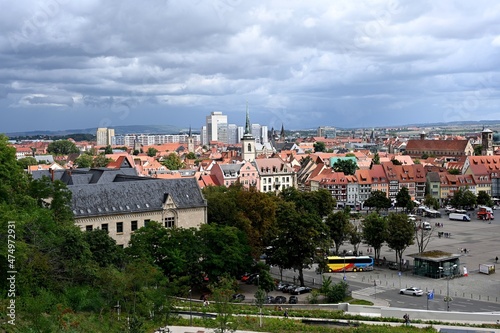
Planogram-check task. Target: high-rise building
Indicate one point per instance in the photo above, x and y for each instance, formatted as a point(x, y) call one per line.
point(256, 132)
point(264, 135)
point(327, 132)
point(105, 136)
point(217, 127)
point(232, 134)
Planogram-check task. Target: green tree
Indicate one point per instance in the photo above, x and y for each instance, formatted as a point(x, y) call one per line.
point(225, 250)
point(376, 159)
point(14, 181)
point(103, 248)
point(101, 161)
point(25, 162)
point(173, 162)
point(396, 162)
point(152, 152)
point(222, 294)
point(299, 234)
point(136, 152)
point(338, 227)
point(378, 200)
point(84, 161)
point(478, 150)
point(374, 232)
point(454, 171)
point(400, 234)
point(463, 198)
point(348, 167)
point(319, 146)
point(108, 150)
point(424, 156)
point(191, 156)
point(403, 199)
point(62, 147)
point(430, 201)
point(483, 198)
point(355, 236)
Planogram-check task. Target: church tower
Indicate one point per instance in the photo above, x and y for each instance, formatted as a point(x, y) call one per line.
point(190, 141)
point(248, 141)
point(487, 142)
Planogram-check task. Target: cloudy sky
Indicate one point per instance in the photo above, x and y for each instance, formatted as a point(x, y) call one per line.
point(89, 63)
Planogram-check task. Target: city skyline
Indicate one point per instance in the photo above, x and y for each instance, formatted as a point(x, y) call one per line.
point(348, 65)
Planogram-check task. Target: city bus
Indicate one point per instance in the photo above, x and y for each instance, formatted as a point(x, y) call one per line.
point(338, 264)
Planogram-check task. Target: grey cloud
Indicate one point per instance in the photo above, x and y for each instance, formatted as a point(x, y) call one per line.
point(339, 63)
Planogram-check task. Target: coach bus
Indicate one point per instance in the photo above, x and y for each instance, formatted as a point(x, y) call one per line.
point(337, 264)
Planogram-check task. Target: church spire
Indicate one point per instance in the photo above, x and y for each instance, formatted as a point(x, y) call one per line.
point(248, 127)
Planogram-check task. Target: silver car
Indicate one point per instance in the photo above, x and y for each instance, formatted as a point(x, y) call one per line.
point(412, 291)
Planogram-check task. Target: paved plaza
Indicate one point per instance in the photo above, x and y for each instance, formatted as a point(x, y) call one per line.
point(479, 238)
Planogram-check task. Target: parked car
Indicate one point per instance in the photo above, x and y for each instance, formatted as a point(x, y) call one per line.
point(245, 277)
point(393, 265)
point(251, 278)
point(281, 285)
point(238, 297)
point(412, 291)
point(293, 300)
point(269, 300)
point(280, 300)
point(289, 288)
point(300, 290)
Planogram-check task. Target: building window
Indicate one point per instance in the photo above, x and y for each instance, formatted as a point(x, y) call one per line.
point(88, 228)
point(104, 226)
point(119, 227)
point(133, 226)
point(169, 222)
point(146, 222)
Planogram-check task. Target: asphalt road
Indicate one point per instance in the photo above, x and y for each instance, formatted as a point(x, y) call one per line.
point(475, 293)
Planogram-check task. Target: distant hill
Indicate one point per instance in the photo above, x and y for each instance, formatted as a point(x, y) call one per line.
point(131, 129)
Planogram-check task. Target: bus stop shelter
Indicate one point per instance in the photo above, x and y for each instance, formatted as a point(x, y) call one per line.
point(436, 264)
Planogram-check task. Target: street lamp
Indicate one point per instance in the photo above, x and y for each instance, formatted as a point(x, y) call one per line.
point(260, 305)
point(448, 277)
point(344, 268)
point(190, 310)
point(375, 285)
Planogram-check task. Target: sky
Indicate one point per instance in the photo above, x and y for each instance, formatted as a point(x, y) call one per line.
point(301, 64)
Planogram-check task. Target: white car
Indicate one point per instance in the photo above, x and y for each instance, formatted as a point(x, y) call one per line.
point(412, 291)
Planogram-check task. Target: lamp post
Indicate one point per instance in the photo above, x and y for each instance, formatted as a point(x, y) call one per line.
point(375, 285)
point(344, 268)
point(260, 306)
point(448, 277)
point(190, 309)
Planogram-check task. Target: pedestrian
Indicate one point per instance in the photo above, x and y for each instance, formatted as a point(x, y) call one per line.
point(286, 313)
point(406, 318)
point(496, 259)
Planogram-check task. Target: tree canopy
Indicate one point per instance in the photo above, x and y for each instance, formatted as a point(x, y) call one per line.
point(400, 234)
point(463, 198)
point(403, 199)
point(62, 147)
point(173, 162)
point(348, 167)
point(378, 200)
point(319, 146)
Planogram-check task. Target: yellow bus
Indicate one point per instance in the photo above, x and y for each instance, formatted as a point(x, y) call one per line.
point(338, 264)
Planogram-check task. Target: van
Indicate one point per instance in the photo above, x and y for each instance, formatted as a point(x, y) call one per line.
point(459, 217)
point(426, 226)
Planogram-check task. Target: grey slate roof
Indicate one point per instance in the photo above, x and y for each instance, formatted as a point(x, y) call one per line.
point(134, 195)
point(85, 176)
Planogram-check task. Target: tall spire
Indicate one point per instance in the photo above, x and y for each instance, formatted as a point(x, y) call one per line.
point(189, 131)
point(248, 127)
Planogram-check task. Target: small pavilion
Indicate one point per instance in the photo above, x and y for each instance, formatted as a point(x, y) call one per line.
point(436, 264)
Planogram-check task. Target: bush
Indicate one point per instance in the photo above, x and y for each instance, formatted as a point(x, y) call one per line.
point(337, 292)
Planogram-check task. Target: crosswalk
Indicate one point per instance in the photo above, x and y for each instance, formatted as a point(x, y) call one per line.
point(370, 291)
